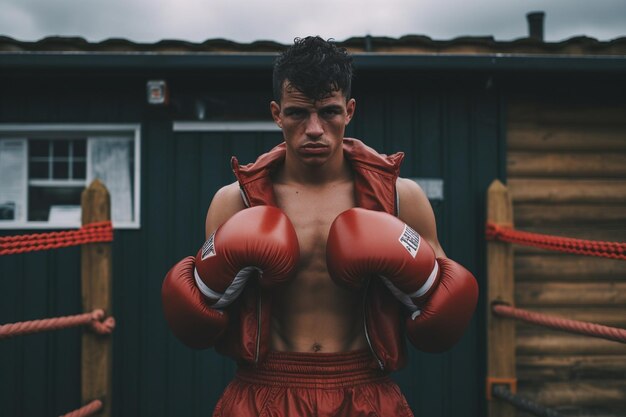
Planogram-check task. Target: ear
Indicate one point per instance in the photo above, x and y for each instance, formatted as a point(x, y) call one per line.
point(350, 109)
point(275, 110)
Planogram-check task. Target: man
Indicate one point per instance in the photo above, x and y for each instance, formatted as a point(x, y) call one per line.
point(318, 260)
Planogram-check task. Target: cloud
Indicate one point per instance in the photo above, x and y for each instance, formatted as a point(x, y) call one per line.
point(507, 20)
point(601, 19)
point(282, 20)
point(14, 16)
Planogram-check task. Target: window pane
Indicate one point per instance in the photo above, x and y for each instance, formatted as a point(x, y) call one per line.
point(38, 170)
point(80, 148)
point(41, 199)
point(60, 170)
point(61, 148)
point(38, 147)
point(79, 170)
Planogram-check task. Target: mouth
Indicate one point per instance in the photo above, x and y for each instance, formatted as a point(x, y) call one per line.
point(314, 148)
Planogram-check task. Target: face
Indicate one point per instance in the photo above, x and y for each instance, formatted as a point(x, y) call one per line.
point(313, 130)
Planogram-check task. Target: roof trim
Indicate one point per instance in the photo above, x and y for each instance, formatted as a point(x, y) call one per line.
point(366, 61)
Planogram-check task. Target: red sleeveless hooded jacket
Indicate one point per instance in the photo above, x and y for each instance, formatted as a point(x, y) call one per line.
point(375, 175)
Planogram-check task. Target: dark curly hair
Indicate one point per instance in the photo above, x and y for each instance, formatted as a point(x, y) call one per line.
point(314, 67)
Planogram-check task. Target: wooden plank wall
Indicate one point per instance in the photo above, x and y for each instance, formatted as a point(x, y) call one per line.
point(566, 170)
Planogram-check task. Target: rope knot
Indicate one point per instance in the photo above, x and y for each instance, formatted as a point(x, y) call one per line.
point(494, 230)
point(100, 324)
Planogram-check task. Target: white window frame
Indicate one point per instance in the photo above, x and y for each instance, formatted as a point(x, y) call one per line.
point(23, 130)
point(234, 126)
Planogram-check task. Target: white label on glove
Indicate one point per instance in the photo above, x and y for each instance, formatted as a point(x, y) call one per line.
point(410, 239)
point(208, 249)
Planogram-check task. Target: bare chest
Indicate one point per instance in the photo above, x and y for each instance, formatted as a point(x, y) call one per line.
point(312, 211)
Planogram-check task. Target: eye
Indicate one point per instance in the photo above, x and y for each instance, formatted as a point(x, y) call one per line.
point(330, 112)
point(295, 113)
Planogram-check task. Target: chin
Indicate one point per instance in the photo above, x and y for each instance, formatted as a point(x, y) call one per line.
point(314, 158)
point(314, 162)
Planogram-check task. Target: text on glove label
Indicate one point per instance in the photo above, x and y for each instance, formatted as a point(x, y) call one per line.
point(208, 249)
point(410, 239)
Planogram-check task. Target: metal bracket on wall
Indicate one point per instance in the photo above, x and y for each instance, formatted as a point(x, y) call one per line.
point(433, 187)
point(491, 381)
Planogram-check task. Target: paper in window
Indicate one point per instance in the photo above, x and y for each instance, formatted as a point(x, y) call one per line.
point(110, 160)
point(13, 171)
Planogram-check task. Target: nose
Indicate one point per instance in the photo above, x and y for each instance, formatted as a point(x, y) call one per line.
point(314, 126)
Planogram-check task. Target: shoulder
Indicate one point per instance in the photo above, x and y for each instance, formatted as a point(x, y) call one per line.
point(416, 211)
point(411, 196)
point(408, 188)
point(226, 202)
point(227, 194)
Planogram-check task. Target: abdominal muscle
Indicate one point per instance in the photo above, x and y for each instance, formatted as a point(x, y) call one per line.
point(313, 314)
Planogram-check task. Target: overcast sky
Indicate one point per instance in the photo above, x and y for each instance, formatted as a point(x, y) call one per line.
point(282, 20)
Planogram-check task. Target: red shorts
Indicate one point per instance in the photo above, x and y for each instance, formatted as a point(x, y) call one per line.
point(313, 384)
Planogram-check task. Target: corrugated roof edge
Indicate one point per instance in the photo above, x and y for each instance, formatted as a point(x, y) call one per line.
point(77, 44)
point(580, 45)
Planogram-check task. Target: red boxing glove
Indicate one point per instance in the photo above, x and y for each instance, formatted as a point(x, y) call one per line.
point(256, 240)
point(362, 243)
point(440, 293)
point(186, 311)
point(441, 321)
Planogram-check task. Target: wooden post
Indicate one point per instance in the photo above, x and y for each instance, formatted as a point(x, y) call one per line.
point(500, 288)
point(96, 359)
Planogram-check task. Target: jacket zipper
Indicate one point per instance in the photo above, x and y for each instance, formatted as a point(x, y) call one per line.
point(367, 335)
point(258, 332)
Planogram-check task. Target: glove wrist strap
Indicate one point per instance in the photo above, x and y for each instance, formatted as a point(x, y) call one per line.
point(407, 299)
point(222, 300)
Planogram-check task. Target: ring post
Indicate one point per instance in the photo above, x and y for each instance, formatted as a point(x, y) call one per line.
point(96, 359)
point(500, 289)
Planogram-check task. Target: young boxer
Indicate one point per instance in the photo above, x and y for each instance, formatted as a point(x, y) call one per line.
point(319, 261)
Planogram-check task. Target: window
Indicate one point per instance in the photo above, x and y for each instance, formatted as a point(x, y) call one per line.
point(44, 169)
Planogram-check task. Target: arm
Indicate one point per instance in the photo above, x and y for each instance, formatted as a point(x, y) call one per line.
point(257, 242)
point(452, 302)
point(416, 211)
point(186, 310)
point(226, 202)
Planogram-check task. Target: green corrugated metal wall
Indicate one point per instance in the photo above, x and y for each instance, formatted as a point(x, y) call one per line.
point(449, 129)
